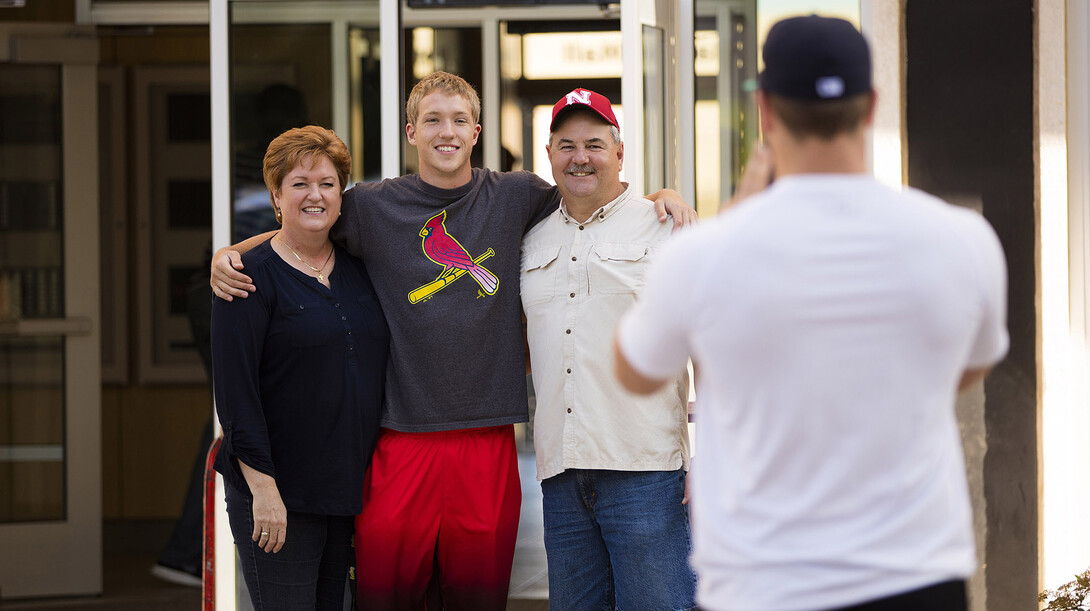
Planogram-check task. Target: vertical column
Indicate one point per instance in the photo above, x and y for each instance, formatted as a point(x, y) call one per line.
point(882, 24)
point(490, 81)
point(685, 165)
point(971, 140)
point(1063, 85)
point(632, 20)
point(219, 28)
point(83, 353)
point(338, 30)
point(390, 90)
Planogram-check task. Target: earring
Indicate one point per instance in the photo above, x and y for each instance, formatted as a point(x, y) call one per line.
point(279, 216)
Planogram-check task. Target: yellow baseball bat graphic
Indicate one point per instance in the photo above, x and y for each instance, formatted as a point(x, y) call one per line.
point(433, 287)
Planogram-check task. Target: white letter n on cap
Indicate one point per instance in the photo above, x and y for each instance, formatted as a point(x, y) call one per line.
point(578, 97)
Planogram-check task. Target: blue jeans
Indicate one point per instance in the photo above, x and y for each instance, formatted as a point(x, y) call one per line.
point(309, 572)
point(618, 540)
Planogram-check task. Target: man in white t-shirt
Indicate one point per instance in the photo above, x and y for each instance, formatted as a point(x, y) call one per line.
point(833, 321)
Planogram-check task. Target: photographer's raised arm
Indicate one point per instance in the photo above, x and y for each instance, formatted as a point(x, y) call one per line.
point(227, 281)
point(756, 176)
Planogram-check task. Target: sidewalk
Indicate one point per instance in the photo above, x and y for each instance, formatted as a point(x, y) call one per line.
point(129, 586)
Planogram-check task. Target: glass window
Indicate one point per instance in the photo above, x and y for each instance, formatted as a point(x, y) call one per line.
point(728, 39)
point(726, 125)
point(286, 74)
point(366, 119)
point(281, 77)
point(31, 288)
point(454, 50)
point(540, 61)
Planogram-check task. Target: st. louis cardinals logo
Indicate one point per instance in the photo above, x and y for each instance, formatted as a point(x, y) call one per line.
point(442, 248)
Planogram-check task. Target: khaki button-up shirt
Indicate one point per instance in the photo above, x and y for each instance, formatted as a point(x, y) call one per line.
point(577, 280)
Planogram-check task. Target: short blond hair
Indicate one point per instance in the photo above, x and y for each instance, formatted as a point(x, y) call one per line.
point(289, 148)
point(447, 83)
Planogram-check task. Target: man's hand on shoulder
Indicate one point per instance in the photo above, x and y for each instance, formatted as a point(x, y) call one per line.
point(227, 282)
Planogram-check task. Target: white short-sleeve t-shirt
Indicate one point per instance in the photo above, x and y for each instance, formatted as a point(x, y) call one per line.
point(830, 319)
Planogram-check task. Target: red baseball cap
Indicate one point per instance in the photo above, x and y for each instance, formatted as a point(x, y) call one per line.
point(585, 98)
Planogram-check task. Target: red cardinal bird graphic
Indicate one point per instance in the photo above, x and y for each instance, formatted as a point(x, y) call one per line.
point(442, 248)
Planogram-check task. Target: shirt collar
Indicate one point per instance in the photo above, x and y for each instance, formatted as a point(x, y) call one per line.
point(602, 213)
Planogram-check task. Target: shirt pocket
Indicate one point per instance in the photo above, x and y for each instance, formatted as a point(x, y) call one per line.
point(538, 277)
point(307, 325)
point(617, 268)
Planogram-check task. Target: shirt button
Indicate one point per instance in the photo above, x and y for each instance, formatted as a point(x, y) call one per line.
point(569, 410)
point(343, 318)
point(572, 295)
point(336, 305)
point(573, 259)
point(350, 333)
point(569, 371)
point(580, 228)
point(601, 216)
point(568, 331)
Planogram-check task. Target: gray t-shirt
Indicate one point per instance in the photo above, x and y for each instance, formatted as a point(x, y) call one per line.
point(445, 265)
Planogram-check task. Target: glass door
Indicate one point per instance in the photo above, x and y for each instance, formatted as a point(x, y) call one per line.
point(540, 61)
point(726, 57)
point(50, 395)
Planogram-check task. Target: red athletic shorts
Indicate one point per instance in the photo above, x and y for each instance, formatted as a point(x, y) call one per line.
point(443, 502)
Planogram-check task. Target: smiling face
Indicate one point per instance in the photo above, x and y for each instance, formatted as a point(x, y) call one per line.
point(586, 161)
point(444, 134)
point(309, 197)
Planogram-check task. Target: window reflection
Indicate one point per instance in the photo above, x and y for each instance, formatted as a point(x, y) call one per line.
point(365, 140)
point(454, 50)
point(32, 454)
point(540, 62)
point(725, 116)
point(281, 77)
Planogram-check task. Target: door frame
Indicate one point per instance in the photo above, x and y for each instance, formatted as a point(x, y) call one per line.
point(149, 129)
point(64, 558)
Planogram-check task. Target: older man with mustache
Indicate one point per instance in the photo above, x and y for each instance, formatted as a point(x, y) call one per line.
point(612, 465)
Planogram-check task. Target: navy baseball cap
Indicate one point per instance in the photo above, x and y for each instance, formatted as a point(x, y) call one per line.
point(815, 58)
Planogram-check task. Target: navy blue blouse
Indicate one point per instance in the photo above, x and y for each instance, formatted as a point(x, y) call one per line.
point(299, 371)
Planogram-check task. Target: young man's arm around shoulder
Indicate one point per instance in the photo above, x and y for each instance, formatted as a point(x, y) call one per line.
point(227, 281)
point(670, 203)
